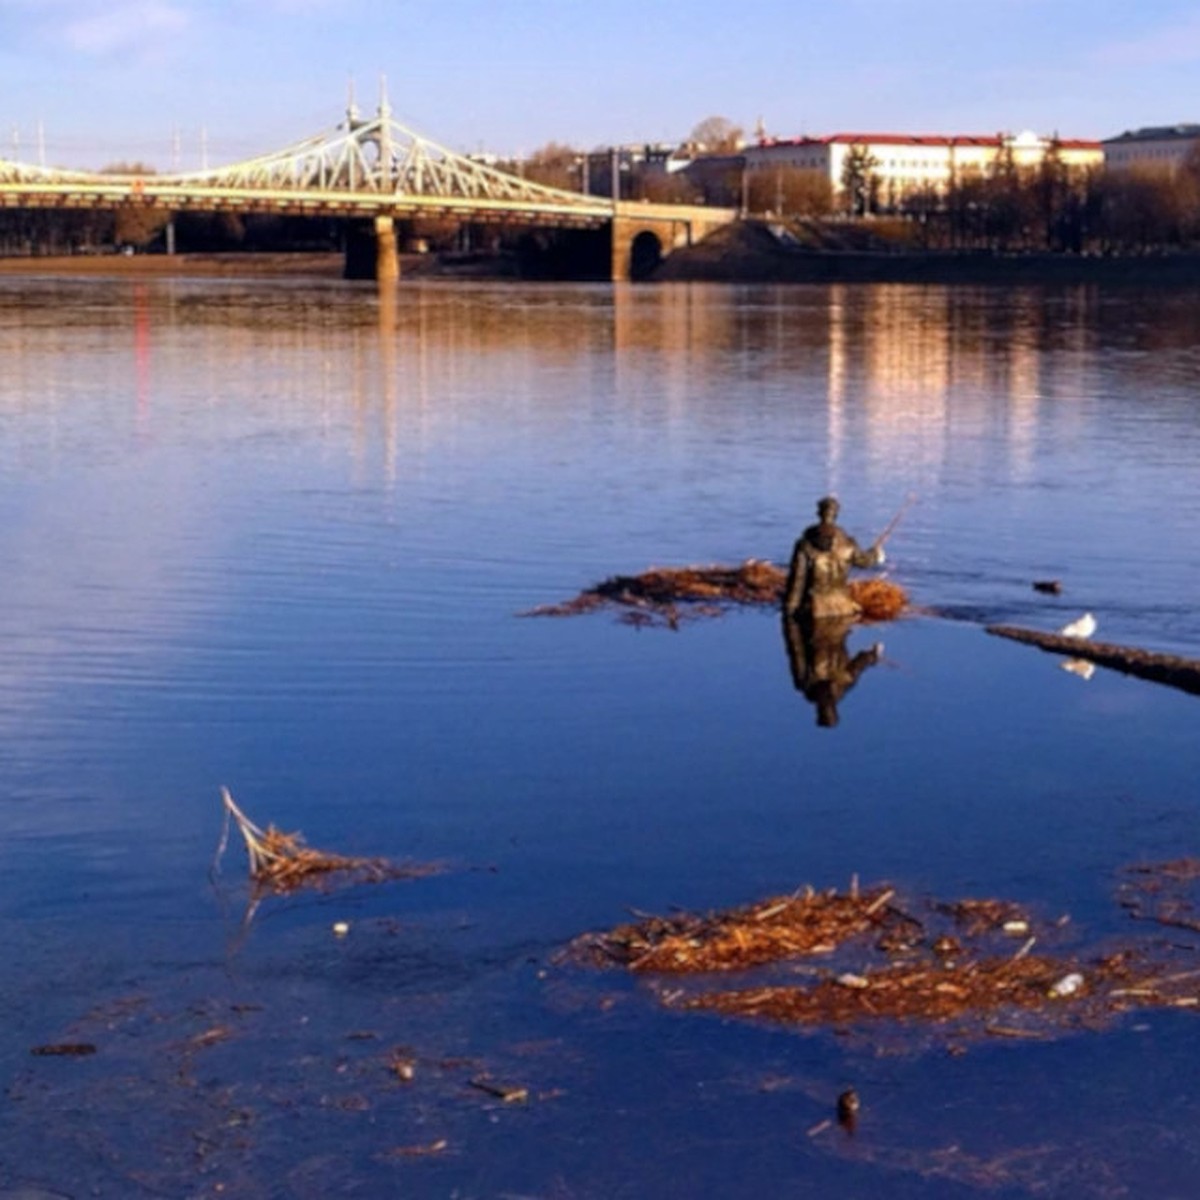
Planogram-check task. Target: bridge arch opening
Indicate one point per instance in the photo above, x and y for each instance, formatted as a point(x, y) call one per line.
point(645, 255)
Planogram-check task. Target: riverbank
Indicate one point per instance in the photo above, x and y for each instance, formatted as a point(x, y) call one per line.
point(306, 264)
point(749, 252)
point(300, 263)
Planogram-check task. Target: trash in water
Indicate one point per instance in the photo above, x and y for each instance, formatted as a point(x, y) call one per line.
point(848, 1105)
point(1068, 985)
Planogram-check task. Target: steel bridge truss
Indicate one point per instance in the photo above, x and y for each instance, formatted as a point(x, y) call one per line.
point(363, 167)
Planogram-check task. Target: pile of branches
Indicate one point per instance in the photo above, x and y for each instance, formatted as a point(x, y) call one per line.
point(930, 991)
point(669, 595)
point(950, 967)
point(880, 599)
point(773, 929)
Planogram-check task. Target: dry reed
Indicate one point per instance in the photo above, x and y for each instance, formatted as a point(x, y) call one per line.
point(668, 595)
point(280, 862)
point(912, 970)
point(778, 928)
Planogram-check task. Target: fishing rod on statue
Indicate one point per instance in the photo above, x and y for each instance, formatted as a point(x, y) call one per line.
point(909, 501)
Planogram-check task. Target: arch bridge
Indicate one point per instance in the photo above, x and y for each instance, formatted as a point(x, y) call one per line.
point(376, 171)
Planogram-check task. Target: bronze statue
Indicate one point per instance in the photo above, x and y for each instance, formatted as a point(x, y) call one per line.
point(818, 578)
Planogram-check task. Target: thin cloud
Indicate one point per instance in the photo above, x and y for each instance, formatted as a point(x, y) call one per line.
point(1169, 45)
point(130, 29)
point(138, 29)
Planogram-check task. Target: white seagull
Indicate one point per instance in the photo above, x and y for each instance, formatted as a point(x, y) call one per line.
point(1083, 628)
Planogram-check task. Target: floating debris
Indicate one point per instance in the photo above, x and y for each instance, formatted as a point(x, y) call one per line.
point(1163, 892)
point(978, 916)
point(403, 1065)
point(850, 980)
point(1171, 669)
point(210, 1037)
point(1051, 587)
point(928, 992)
point(774, 929)
point(424, 1150)
point(928, 976)
point(848, 1105)
point(281, 862)
point(1068, 985)
point(510, 1094)
point(880, 599)
point(666, 596)
point(64, 1050)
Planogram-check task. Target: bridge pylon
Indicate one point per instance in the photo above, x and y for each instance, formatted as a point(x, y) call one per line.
point(370, 173)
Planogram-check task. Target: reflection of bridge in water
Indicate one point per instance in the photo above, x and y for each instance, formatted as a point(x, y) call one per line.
point(375, 171)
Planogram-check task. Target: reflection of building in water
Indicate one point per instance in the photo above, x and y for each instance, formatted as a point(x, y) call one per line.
point(684, 326)
point(913, 372)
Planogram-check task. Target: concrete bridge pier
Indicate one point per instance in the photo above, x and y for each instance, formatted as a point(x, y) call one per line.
point(371, 250)
point(640, 240)
point(638, 246)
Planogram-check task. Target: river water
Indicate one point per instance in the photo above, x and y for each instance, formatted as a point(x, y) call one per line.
point(275, 535)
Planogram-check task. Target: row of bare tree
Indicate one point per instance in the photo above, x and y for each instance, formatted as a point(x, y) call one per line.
point(1048, 207)
point(1127, 212)
point(1012, 208)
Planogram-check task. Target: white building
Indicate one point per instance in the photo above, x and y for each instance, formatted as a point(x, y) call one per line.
point(904, 165)
point(1161, 148)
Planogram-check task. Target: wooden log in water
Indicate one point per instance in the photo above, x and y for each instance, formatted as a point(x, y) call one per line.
point(1182, 673)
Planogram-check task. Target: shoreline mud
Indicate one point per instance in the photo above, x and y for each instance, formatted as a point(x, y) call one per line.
point(746, 255)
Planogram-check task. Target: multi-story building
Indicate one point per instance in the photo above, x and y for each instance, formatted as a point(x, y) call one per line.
point(906, 165)
point(1156, 148)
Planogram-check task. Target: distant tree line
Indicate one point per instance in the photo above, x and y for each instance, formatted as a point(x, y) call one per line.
point(1012, 208)
point(1048, 207)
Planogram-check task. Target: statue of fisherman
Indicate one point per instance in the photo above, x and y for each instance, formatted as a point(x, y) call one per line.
point(818, 578)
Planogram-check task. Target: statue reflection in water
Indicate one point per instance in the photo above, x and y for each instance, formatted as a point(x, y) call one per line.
point(819, 611)
point(822, 667)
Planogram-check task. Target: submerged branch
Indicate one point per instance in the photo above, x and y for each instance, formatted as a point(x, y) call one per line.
point(1182, 673)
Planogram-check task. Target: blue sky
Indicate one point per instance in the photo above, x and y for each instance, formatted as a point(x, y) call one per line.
point(106, 80)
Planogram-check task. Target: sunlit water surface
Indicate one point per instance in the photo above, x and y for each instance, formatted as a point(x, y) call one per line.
point(275, 535)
